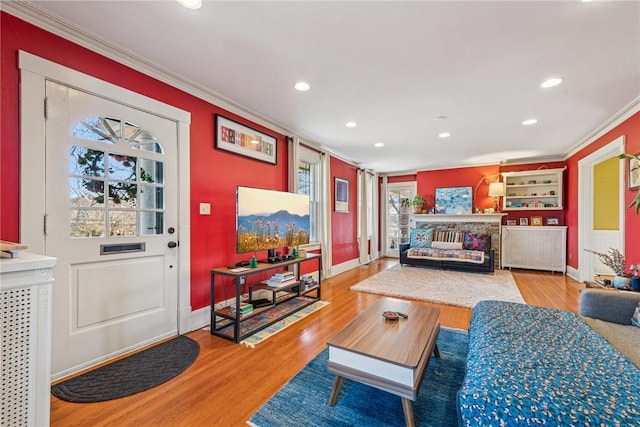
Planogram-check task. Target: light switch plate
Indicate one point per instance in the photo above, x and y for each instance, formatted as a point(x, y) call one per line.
point(205, 208)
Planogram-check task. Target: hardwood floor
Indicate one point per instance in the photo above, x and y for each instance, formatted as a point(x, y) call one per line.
point(229, 382)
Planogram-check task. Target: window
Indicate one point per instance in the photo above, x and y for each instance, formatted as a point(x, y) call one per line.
point(116, 180)
point(309, 182)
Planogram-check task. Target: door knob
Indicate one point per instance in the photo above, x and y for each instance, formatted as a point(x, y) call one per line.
point(172, 244)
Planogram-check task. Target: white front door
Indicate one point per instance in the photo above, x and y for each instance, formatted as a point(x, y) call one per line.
point(111, 220)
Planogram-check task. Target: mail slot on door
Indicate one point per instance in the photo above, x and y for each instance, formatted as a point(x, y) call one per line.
point(119, 248)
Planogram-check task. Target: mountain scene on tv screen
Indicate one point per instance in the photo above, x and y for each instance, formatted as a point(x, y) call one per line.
point(272, 230)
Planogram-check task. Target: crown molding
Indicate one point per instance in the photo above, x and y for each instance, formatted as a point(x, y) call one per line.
point(56, 25)
point(627, 111)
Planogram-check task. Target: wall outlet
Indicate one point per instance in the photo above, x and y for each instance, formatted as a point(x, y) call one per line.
point(205, 208)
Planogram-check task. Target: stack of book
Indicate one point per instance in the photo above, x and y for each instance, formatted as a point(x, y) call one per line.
point(281, 279)
point(244, 308)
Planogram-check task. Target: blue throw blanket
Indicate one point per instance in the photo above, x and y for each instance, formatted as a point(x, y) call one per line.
point(539, 366)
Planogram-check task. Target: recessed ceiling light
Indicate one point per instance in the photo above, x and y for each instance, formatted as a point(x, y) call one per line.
point(302, 86)
point(191, 4)
point(555, 81)
point(444, 135)
point(378, 144)
point(529, 122)
point(351, 124)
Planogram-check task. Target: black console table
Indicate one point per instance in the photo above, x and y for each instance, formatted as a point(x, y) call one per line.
point(230, 320)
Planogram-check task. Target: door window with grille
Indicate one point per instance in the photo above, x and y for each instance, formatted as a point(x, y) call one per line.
point(116, 180)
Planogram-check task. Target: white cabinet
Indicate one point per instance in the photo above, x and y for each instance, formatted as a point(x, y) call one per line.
point(536, 248)
point(25, 312)
point(533, 190)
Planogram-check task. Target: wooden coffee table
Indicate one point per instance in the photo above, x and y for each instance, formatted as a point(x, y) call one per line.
point(391, 355)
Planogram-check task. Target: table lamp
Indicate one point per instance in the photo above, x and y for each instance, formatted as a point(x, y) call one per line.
point(496, 190)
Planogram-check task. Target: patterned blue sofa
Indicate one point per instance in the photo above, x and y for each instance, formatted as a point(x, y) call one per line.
point(538, 366)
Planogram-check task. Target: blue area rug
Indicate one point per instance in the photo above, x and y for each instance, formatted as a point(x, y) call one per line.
point(303, 401)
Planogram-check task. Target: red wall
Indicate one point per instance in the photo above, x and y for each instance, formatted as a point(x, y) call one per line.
point(344, 230)
point(214, 173)
point(630, 128)
point(428, 181)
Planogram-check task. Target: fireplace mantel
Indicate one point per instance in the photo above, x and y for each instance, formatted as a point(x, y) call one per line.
point(452, 218)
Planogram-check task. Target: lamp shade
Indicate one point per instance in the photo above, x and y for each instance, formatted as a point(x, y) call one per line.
point(496, 189)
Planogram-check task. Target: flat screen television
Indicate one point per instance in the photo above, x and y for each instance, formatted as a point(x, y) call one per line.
point(270, 219)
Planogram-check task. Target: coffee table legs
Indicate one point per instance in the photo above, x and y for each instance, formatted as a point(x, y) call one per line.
point(335, 391)
point(407, 405)
point(407, 408)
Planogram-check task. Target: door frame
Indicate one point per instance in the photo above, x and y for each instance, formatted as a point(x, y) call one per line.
point(585, 203)
point(34, 71)
point(386, 186)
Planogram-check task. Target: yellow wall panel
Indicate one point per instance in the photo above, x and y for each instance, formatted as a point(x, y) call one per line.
point(606, 195)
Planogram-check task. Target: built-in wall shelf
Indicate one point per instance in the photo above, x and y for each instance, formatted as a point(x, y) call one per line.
point(533, 190)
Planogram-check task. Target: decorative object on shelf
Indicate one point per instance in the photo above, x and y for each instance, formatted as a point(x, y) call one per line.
point(419, 204)
point(294, 252)
point(253, 263)
point(615, 261)
point(240, 139)
point(511, 222)
point(341, 195)
point(454, 200)
point(496, 190)
point(552, 221)
point(524, 221)
point(536, 220)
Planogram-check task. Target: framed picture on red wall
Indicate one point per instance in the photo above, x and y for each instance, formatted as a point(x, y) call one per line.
point(240, 139)
point(342, 195)
point(634, 173)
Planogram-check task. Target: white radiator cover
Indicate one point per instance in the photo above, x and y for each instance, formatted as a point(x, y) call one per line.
point(25, 313)
point(535, 247)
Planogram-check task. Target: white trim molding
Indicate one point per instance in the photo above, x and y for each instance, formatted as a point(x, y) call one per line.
point(34, 72)
point(585, 203)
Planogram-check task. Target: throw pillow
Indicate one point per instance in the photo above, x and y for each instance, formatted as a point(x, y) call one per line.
point(421, 238)
point(448, 236)
point(477, 242)
point(635, 319)
point(446, 245)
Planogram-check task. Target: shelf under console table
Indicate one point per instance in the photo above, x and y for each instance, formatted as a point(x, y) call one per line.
point(296, 297)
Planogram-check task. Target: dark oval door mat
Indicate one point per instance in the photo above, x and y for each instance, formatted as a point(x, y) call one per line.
point(131, 375)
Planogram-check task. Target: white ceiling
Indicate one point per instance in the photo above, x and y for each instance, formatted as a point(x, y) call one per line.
point(394, 66)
